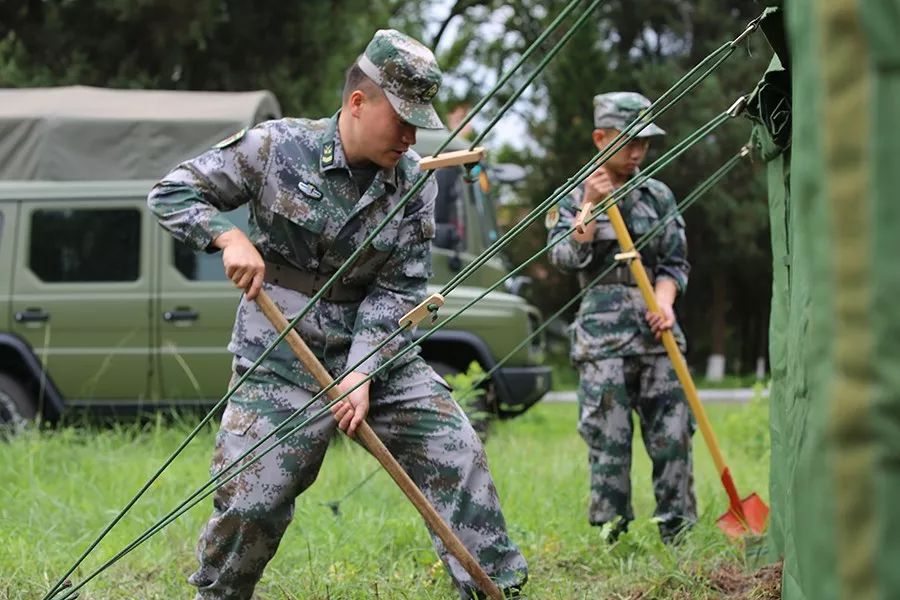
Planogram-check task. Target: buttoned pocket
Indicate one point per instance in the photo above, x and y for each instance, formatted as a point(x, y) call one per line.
point(293, 227)
point(300, 210)
point(386, 239)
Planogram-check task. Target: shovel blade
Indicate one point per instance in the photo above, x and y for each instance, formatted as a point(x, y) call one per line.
point(754, 519)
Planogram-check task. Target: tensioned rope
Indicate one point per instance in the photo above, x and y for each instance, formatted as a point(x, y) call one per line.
point(690, 80)
point(680, 208)
point(477, 299)
point(203, 492)
point(413, 191)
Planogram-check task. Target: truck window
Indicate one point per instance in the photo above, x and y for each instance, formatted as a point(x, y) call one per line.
point(85, 245)
point(448, 209)
point(203, 266)
point(484, 204)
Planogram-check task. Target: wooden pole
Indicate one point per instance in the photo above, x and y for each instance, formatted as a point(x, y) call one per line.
point(381, 453)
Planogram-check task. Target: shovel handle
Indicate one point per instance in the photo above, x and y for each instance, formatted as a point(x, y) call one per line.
point(671, 346)
point(375, 446)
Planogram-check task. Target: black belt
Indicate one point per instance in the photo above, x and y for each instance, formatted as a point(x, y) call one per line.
point(620, 274)
point(310, 283)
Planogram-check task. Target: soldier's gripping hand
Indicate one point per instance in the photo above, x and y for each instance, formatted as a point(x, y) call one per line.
point(352, 410)
point(665, 293)
point(597, 187)
point(243, 264)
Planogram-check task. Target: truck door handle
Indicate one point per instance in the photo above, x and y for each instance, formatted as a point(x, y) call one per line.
point(32, 315)
point(181, 313)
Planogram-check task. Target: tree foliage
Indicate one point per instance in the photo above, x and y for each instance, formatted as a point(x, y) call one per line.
point(300, 49)
point(645, 46)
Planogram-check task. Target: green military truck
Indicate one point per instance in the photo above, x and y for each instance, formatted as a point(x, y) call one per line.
point(101, 309)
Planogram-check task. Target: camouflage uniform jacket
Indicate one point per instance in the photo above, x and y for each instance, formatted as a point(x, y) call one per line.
point(306, 211)
point(610, 321)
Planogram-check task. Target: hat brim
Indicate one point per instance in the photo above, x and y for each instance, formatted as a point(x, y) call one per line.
point(421, 115)
point(650, 131)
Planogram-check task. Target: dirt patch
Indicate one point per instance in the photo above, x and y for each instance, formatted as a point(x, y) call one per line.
point(727, 581)
point(735, 584)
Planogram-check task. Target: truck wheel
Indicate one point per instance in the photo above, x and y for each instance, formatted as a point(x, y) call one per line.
point(16, 406)
point(478, 410)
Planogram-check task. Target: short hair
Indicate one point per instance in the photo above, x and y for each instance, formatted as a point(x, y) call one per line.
point(357, 80)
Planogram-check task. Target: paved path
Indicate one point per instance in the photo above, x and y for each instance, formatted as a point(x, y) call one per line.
point(739, 395)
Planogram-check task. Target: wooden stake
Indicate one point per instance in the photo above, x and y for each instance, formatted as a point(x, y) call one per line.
point(586, 209)
point(448, 159)
point(415, 316)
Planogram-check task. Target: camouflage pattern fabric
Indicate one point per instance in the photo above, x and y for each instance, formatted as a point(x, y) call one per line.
point(306, 212)
point(608, 391)
point(408, 74)
point(610, 320)
point(622, 367)
point(616, 110)
point(415, 416)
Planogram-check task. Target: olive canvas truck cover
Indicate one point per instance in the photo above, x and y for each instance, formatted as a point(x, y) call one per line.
point(131, 319)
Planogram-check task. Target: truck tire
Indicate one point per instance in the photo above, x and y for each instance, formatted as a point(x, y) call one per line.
point(17, 408)
point(479, 411)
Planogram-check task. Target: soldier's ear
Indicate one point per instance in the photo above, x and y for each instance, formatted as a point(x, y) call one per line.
point(355, 101)
point(599, 137)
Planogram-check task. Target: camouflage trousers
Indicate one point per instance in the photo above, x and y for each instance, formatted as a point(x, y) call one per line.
point(416, 418)
point(609, 390)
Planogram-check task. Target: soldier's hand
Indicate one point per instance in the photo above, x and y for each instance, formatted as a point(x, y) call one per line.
point(598, 186)
point(665, 292)
point(243, 264)
point(662, 321)
point(352, 410)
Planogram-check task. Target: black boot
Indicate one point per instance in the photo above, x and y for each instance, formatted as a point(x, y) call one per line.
point(619, 526)
point(672, 531)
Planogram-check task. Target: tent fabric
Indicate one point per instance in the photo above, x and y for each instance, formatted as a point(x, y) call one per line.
point(835, 322)
point(881, 22)
point(79, 132)
point(771, 140)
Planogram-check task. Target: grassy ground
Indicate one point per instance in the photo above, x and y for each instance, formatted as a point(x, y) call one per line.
point(59, 489)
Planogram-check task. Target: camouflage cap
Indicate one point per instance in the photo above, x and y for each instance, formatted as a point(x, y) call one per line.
point(615, 110)
point(408, 74)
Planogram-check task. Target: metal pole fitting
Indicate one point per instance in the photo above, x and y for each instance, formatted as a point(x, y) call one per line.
point(738, 107)
point(751, 27)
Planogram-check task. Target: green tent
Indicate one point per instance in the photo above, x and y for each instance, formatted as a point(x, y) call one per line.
point(828, 121)
point(70, 133)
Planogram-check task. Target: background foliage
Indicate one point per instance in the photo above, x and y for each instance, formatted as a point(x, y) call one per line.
point(300, 49)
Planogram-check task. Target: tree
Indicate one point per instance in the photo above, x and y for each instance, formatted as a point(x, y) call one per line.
point(299, 50)
point(645, 46)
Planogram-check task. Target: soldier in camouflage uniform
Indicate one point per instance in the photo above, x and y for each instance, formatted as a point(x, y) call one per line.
point(615, 347)
point(316, 189)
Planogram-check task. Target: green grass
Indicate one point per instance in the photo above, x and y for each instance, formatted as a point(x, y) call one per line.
point(565, 377)
point(60, 488)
